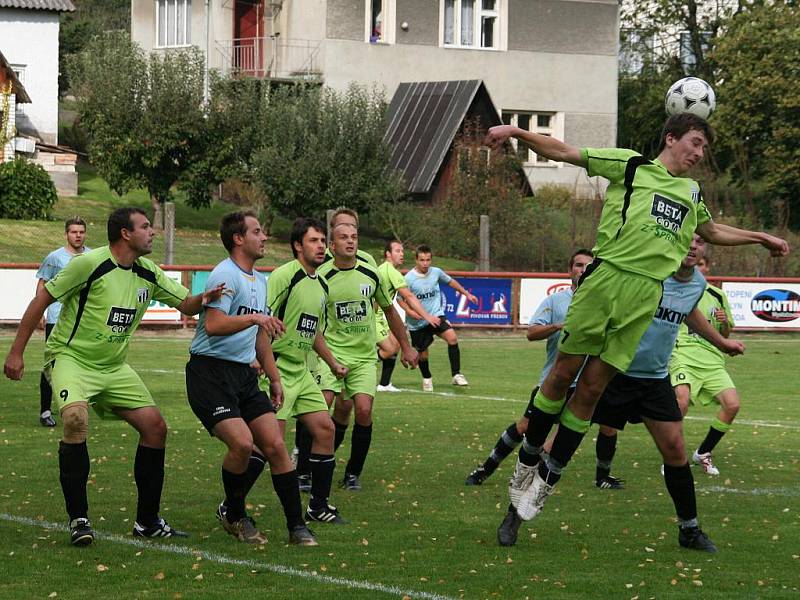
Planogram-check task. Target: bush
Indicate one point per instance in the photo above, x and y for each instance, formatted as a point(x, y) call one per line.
point(26, 190)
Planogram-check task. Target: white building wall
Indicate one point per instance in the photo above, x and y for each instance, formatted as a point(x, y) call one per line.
point(30, 39)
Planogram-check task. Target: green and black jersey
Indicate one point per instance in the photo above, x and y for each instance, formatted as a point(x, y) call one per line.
point(299, 301)
point(103, 303)
point(350, 320)
point(649, 216)
point(695, 349)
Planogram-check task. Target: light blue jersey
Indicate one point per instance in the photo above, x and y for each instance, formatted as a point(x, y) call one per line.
point(552, 311)
point(678, 300)
point(245, 293)
point(51, 265)
point(426, 289)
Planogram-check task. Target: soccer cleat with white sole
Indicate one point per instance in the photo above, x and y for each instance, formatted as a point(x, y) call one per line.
point(704, 460)
point(520, 481)
point(427, 384)
point(327, 514)
point(160, 529)
point(245, 531)
point(532, 500)
point(80, 532)
point(387, 388)
point(459, 379)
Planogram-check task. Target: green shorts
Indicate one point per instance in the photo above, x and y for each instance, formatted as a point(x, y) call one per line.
point(360, 379)
point(382, 330)
point(705, 382)
point(609, 314)
point(104, 389)
point(301, 394)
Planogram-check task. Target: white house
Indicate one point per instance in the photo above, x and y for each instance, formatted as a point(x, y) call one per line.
point(29, 41)
point(549, 65)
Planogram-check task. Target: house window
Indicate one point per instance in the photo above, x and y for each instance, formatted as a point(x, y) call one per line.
point(546, 123)
point(688, 57)
point(635, 50)
point(380, 21)
point(473, 23)
point(173, 23)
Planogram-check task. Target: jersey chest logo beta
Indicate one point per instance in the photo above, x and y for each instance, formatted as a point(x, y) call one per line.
point(351, 312)
point(307, 325)
point(120, 319)
point(668, 213)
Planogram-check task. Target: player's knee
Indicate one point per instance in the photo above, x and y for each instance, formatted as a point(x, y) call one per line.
point(674, 450)
point(75, 420)
point(522, 426)
point(323, 432)
point(275, 448)
point(240, 448)
point(364, 415)
point(731, 406)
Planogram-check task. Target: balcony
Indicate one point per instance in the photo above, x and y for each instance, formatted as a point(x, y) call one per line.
point(271, 58)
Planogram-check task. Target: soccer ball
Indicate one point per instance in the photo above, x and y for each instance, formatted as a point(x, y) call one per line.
point(690, 94)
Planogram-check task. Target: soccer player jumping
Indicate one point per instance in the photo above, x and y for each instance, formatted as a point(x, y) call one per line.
point(650, 215)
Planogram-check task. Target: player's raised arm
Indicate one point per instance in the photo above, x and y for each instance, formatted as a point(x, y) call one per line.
point(191, 305)
point(726, 235)
point(697, 322)
point(15, 364)
point(544, 145)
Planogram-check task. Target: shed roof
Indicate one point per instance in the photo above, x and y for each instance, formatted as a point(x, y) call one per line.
point(423, 119)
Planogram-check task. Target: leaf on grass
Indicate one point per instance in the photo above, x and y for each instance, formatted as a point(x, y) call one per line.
point(102, 568)
point(159, 576)
point(199, 577)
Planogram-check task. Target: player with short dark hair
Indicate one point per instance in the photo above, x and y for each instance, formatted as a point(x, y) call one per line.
point(698, 372)
point(423, 281)
point(395, 283)
point(104, 294)
point(223, 390)
point(75, 234)
point(651, 212)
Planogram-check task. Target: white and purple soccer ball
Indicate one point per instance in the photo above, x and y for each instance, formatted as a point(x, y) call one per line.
point(690, 94)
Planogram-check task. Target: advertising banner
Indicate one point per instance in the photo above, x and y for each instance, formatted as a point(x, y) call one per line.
point(764, 305)
point(19, 288)
point(494, 302)
point(161, 312)
point(533, 291)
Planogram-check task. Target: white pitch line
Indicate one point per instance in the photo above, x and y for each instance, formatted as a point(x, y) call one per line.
point(226, 560)
point(754, 492)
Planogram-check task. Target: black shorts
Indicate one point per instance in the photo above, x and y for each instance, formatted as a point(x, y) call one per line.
point(629, 399)
point(421, 339)
point(529, 408)
point(220, 389)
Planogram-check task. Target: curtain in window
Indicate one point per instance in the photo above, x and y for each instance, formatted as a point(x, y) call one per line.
point(449, 21)
point(467, 22)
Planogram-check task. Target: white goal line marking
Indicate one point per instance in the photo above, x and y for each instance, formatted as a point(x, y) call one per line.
point(227, 560)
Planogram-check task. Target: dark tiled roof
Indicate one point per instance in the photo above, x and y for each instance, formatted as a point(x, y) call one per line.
point(423, 119)
point(60, 5)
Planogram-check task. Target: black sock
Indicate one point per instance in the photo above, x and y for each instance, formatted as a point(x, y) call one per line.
point(539, 425)
point(565, 444)
point(298, 432)
point(45, 395)
point(304, 447)
point(148, 471)
point(387, 369)
point(322, 467)
point(712, 439)
point(254, 469)
point(605, 448)
point(338, 434)
point(73, 463)
point(680, 485)
point(360, 440)
point(504, 446)
point(454, 354)
point(285, 486)
point(235, 485)
point(424, 368)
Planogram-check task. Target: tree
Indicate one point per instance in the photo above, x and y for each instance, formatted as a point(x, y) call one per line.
point(758, 116)
point(144, 114)
point(321, 149)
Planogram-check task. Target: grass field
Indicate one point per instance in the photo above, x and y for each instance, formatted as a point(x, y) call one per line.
point(415, 530)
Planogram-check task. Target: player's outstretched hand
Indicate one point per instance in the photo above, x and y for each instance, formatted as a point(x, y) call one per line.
point(733, 347)
point(340, 371)
point(272, 325)
point(410, 359)
point(213, 294)
point(14, 367)
point(498, 135)
point(276, 394)
point(473, 299)
point(776, 246)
